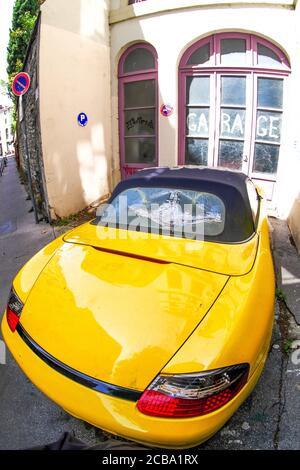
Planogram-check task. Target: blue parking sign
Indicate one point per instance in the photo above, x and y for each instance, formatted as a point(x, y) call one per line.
point(82, 119)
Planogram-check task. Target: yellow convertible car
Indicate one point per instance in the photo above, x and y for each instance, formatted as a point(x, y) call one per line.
point(154, 320)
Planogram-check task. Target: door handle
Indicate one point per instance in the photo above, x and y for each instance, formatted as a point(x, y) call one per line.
point(245, 158)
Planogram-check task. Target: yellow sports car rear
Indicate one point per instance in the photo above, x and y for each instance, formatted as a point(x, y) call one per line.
point(154, 336)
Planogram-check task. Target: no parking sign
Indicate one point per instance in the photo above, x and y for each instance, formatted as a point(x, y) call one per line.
point(21, 84)
point(166, 110)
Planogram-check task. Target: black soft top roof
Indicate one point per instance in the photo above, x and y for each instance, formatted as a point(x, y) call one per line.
point(185, 176)
point(229, 185)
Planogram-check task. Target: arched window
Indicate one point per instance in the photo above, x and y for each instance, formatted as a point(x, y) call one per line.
point(138, 108)
point(231, 105)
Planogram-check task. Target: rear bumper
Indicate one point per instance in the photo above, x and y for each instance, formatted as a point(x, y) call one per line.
point(116, 415)
point(76, 376)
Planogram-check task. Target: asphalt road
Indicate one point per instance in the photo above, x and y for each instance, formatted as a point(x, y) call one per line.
point(267, 420)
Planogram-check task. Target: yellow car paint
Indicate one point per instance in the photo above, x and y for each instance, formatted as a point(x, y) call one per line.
point(26, 277)
point(232, 331)
point(118, 416)
point(127, 319)
point(230, 259)
point(110, 315)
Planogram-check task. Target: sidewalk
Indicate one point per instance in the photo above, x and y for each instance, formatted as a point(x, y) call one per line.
point(20, 237)
point(287, 267)
point(269, 419)
point(287, 264)
point(27, 417)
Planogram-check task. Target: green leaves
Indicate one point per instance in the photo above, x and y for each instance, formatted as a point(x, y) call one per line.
point(24, 16)
point(25, 13)
point(280, 295)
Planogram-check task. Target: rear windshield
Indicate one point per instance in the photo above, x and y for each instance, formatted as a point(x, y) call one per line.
point(176, 212)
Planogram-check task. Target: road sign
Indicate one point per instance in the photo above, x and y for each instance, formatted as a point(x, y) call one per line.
point(21, 84)
point(82, 119)
point(166, 110)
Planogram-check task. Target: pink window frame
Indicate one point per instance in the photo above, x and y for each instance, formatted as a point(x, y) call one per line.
point(129, 77)
point(214, 67)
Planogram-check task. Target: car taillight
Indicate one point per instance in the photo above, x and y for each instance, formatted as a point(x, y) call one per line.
point(13, 310)
point(190, 395)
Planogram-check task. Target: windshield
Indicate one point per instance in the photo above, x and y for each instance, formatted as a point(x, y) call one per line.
point(176, 212)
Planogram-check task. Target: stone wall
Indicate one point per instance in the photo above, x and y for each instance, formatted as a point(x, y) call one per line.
point(29, 134)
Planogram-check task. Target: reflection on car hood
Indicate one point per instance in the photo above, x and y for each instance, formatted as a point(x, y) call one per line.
point(118, 319)
point(230, 259)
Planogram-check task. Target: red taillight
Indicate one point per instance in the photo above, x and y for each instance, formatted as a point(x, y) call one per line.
point(13, 310)
point(12, 319)
point(157, 404)
point(190, 396)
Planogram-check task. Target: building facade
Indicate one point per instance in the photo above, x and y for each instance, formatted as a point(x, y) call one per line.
point(169, 82)
point(6, 136)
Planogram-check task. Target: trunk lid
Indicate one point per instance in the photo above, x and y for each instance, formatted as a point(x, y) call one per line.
point(234, 259)
point(113, 317)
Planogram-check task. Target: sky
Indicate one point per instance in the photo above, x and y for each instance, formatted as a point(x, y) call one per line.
point(6, 7)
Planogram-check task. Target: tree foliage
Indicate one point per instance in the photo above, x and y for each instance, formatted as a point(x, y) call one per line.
point(3, 88)
point(24, 16)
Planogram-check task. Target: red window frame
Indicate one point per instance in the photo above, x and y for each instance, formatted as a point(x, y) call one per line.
point(128, 169)
point(215, 69)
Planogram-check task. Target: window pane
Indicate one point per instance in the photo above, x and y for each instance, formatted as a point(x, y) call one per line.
point(270, 91)
point(196, 151)
point(233, 90)
point(140, 122)
point(200, 56)
point(197, 122)
point(231, 154)
point(174, 212)
point(232, 123)
point(139, 59)
point(139, 94)
point(266, 57)
point(233, 51)
point(268, 126)
point(266, 158)
point(198, 90)
point(140, 150)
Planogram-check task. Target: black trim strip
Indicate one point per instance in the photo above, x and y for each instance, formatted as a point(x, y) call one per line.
point(79, 377)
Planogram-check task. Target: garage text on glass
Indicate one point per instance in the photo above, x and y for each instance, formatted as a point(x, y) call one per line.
point(232, 124)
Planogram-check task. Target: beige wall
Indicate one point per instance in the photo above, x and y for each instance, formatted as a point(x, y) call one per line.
point(79, 56)
point(173, 31)
point(120, 10)
point(74, 76)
